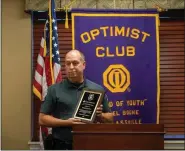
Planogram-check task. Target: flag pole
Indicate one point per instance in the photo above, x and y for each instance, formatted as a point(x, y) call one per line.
point(50, 42)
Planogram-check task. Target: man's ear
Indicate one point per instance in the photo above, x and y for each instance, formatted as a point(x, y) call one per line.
point(84, 64)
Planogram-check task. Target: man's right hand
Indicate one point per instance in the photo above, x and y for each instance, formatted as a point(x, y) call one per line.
point(75, 121)
point(50, 121)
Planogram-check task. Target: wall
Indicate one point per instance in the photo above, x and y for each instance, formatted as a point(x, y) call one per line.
point(16, 75)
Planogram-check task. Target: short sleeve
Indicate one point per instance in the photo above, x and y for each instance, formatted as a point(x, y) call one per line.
point(48, 104)
point(105, 104)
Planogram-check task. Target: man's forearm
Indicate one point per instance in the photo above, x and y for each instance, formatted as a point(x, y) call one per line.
point(50, 121)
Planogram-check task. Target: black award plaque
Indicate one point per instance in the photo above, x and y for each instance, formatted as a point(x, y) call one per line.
point(87, 105)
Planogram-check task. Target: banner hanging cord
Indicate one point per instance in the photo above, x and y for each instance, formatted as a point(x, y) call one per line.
point(66, 21)
point(67, 5)
point(159, 9)
point(66, 8)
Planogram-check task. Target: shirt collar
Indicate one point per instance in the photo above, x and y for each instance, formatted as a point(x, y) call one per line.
point(72, 85)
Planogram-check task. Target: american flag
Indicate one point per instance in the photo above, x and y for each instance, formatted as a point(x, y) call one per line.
point(48, 68)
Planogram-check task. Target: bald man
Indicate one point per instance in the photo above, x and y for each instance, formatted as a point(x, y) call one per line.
point(61, 101)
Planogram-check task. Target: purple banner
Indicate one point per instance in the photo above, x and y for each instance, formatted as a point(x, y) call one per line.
point(122, 55)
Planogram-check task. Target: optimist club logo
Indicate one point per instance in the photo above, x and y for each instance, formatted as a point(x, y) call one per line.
point(116, 78)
